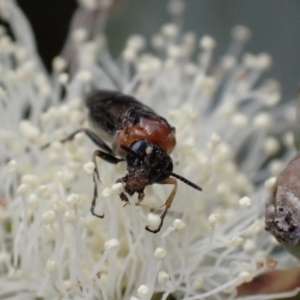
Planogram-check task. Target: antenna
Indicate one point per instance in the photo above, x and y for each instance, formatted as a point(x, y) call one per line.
point(193, 185)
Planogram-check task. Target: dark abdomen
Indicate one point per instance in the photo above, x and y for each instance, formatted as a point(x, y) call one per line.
point(107, 109)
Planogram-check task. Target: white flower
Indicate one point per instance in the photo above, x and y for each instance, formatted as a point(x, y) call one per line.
point(223, 143)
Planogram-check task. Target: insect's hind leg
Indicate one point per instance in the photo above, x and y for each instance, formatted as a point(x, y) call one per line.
point(109, 158)
point(91, 135)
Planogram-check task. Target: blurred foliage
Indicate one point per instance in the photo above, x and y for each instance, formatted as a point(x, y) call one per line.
point(274, 24)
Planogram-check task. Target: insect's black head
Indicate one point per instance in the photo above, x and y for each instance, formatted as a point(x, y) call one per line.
point(150, 160)
point(147, 163)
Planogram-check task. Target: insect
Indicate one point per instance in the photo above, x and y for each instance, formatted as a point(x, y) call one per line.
point(282, 215)
point(138, 135)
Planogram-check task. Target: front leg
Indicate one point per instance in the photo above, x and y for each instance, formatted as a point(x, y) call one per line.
point(123, 196)
point(140, 197)
point(167, 204)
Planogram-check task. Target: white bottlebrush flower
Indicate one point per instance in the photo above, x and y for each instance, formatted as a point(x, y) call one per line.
point(211, 242)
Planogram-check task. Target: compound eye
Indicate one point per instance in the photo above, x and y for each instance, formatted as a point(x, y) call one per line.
point(138, 147)
point(135, 154)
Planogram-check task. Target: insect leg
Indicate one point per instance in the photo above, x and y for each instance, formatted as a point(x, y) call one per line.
point(168, 203)
point(140, 197)
point(123, 197)
point(91, 135)
point(109, 158)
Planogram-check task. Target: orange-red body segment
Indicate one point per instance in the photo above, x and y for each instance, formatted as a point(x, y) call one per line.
point(152, 129)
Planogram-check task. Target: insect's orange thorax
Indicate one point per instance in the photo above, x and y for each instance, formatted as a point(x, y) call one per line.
point(154, 130)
